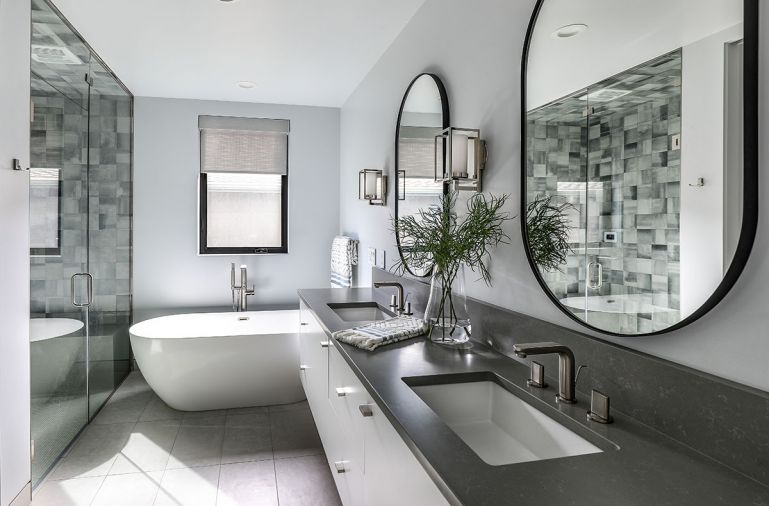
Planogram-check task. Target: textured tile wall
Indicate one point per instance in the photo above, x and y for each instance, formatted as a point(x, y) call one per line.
point(96, 202)
point(609, 151)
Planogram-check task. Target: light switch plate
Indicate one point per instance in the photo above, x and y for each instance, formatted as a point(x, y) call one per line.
point(372, 256)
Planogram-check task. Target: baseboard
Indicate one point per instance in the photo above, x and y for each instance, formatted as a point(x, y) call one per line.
point(24, 498)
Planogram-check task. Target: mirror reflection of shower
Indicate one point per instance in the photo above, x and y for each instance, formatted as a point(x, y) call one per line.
point(608, 159)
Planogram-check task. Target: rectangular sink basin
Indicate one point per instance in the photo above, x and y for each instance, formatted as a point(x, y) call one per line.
point(360, 311)
point(498, 426)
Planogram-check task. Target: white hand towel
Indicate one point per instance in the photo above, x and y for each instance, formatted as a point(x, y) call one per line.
point(344, 255)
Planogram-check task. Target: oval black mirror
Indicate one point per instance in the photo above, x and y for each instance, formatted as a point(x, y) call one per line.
point(640, 163)
point(424, 112)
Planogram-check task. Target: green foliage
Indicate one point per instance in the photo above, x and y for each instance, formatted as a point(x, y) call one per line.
point(436, 236)
point(547, 228)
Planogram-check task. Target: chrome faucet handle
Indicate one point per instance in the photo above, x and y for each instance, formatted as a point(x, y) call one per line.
point(599, 408)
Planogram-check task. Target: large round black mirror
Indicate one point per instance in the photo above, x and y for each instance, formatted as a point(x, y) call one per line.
point(424, 112)
point(640, 163)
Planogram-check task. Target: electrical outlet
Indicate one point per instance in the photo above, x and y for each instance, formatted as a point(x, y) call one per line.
point(372, 256)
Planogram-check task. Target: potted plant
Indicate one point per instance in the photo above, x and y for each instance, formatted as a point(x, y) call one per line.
point(438, 238)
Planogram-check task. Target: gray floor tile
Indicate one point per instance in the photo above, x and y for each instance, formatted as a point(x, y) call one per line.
point(210, 419)
point(306, 481)
point(94, 453)
point(247, 438)
point(244, 411)
point(294, 434)
point(189, 487)
point(251, 483)
point(127, 407)
point(196, 447)
point(138, 489)
point(158, 410)
point(76, 492)
point(148, 448)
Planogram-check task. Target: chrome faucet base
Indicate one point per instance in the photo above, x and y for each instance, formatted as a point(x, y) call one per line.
point(592, 417)
point(566, 376)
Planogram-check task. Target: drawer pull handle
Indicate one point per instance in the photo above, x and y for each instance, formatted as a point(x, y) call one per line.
point(303, 367)
point(365, 410)
point(341, 391)
point(325, 344)
point(339, 466)
point(303, 324)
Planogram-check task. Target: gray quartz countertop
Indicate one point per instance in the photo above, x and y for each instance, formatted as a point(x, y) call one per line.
point(648, 468)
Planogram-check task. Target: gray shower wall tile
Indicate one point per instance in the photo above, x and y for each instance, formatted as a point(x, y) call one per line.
point(719, 418)
point(104, 190)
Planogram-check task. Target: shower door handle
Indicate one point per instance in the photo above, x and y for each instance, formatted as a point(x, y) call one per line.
point(594, 282)
point(89, 289)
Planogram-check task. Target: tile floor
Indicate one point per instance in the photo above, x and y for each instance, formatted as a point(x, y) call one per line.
point(138, 451)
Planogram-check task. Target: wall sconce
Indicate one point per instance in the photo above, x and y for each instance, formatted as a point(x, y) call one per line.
point(372, 186)
point(465, 156)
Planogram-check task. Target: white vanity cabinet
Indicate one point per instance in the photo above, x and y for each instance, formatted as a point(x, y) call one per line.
point(370, 462)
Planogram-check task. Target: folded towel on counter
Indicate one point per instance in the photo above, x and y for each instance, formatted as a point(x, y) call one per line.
point(344, 254)
point(376, 334)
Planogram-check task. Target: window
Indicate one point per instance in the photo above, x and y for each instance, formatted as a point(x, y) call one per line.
point(243, 185)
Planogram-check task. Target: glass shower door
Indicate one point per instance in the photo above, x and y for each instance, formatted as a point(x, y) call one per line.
point(58, 257)
point(109, 217)
point(633, 186)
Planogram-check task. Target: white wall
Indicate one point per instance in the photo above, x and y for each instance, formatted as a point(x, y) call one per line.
point(14, 253)
point(702, 156)
point(476, 48)
point(168, 273)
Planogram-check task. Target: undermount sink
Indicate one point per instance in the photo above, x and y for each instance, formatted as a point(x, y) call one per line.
point(360, 311)
point(497, 425)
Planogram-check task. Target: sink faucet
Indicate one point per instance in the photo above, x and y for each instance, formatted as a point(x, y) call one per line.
point(242, 290)
point(399, 300)
point(566, 380)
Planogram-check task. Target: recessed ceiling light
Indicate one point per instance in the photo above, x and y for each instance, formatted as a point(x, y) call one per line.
point(246, 85)
point(228, 1)
point(567, 31)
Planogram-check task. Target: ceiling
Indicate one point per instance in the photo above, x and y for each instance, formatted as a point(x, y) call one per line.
point(306, 52)
point(621, 35)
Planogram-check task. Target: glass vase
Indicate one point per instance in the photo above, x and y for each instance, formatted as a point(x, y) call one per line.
point(446, 310)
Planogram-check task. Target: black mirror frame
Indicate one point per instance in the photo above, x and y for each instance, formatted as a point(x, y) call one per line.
point(446, 123)
point(750, 183)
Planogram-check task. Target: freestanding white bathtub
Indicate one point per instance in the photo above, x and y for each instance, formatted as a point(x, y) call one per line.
point(204, 361)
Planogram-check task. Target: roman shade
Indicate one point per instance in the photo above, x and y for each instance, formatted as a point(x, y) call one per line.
point(249, 145)
point(416, 151)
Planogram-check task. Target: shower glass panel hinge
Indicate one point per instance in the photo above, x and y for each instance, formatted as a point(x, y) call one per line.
point(587, 111)
point(675, 142)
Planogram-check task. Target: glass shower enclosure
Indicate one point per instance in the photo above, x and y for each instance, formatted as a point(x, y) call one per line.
point(611, 155)
point(80, 234)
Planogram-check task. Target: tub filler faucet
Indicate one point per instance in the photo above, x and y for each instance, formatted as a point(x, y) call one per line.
point(240, 292)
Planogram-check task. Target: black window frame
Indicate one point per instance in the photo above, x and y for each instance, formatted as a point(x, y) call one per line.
point(204, 249)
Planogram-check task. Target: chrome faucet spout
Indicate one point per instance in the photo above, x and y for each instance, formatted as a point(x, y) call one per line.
point(244, 290)
point(566, 371)
point(240, 302)
point(399, 304)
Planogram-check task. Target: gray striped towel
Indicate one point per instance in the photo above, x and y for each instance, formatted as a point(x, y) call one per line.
point(373, 335)
point(344, 254)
